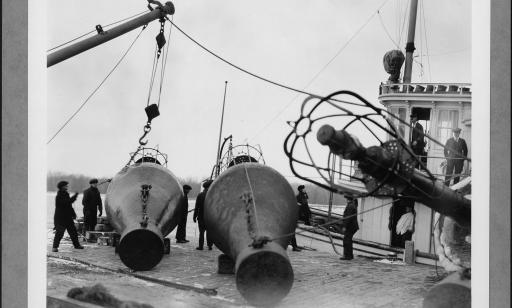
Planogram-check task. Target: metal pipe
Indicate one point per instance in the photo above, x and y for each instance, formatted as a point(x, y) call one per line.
point(409, 48)
point(220, 130)
point(77, 48)
point(382, 165)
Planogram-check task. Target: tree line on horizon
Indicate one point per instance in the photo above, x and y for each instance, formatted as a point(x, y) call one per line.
point(79, 182)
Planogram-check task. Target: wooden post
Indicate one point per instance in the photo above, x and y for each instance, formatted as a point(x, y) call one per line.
point(409, 253)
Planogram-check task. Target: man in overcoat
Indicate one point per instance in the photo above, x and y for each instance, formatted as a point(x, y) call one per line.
point(302, 200)
point(455, 151)
point(63, 217)
point(350, 227)
point(181, 233)
point(199, 217)
point(92, 204)
point(417, 136)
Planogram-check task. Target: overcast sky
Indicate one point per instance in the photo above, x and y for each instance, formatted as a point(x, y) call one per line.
point(288, 41)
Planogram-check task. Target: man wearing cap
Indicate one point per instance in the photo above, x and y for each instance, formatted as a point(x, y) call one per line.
point(302, 200)
point(417, 136)
point(455, 151)
point(63, 217)
point(199, 217)
point(350, 227)
point(182, 225)
point(92, 203)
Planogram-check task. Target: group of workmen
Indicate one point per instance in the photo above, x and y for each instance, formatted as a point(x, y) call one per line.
point(65, 214)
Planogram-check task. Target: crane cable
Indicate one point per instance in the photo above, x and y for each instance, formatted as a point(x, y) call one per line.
point(98, 87)
point(152, 111)
point(116, 22)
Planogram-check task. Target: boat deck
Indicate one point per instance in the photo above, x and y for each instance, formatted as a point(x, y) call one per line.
point(188, 278)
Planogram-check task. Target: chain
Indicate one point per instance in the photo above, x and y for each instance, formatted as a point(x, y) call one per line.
point(144, 196)
point(252, 227)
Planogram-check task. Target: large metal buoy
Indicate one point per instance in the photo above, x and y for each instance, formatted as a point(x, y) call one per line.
point(247, 205)
point(141, 204)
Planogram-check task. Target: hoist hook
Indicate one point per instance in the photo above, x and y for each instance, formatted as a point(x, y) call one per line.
point(147, 129)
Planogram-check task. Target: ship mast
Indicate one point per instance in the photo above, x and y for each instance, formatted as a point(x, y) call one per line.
point(409, 48)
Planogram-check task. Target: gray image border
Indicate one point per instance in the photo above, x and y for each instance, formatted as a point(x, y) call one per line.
point(14, 211)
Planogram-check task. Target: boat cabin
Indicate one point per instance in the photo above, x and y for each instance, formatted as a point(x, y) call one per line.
point(440, 108)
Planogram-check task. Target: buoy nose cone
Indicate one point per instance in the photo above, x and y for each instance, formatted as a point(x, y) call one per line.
point(264, 278)
point(141, 249)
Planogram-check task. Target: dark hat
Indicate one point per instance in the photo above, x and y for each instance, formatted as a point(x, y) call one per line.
point(62, 184)
point(207, 183)
point(93, 181)
point(301, 187)
point(187, 187)
point(456, 130)
point(414, 115)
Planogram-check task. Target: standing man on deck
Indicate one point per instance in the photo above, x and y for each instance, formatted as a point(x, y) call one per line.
point(92, 203)
point(350, 227)
point(199, 217)
point(182, 225)
point(304, 211)
point(63, 217)
point(455, 151)
point(417, 137)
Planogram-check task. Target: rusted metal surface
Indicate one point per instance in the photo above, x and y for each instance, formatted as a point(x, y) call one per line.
point(453, 291)
point(245, 207)
point(141, 204)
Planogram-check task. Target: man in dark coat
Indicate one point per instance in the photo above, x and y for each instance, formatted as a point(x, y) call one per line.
point(63, 217)
point(455, 151)
point(304, 211)
point(350, 227)
point(199, 217)
point(181, 233)
point(417, 136)
point(92, 203)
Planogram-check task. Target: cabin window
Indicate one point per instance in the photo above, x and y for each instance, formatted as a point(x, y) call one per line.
point(401, 113)
point(446, 121)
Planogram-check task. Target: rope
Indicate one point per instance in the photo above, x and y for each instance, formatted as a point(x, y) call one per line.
point(97, 88)
point(248, 72)
point(153, 72)
point(321, 70)
point(94, 31)
point(164, 64)
point(334, 221)
point(386, 30)
point(426, 42)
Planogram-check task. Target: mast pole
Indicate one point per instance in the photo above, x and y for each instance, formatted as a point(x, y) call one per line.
point(105, 36)
point(409, 48)
point(220, 131)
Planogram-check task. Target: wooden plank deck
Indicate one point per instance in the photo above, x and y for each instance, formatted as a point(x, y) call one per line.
point(321, 279)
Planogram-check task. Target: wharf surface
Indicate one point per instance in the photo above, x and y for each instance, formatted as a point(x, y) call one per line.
point(186, 277)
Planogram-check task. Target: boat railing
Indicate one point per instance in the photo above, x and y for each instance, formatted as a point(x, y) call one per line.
point(436, 164)
point(425, 88)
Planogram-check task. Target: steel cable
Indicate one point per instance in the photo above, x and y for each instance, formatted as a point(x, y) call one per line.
point(98, 87)
point(116, 22)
